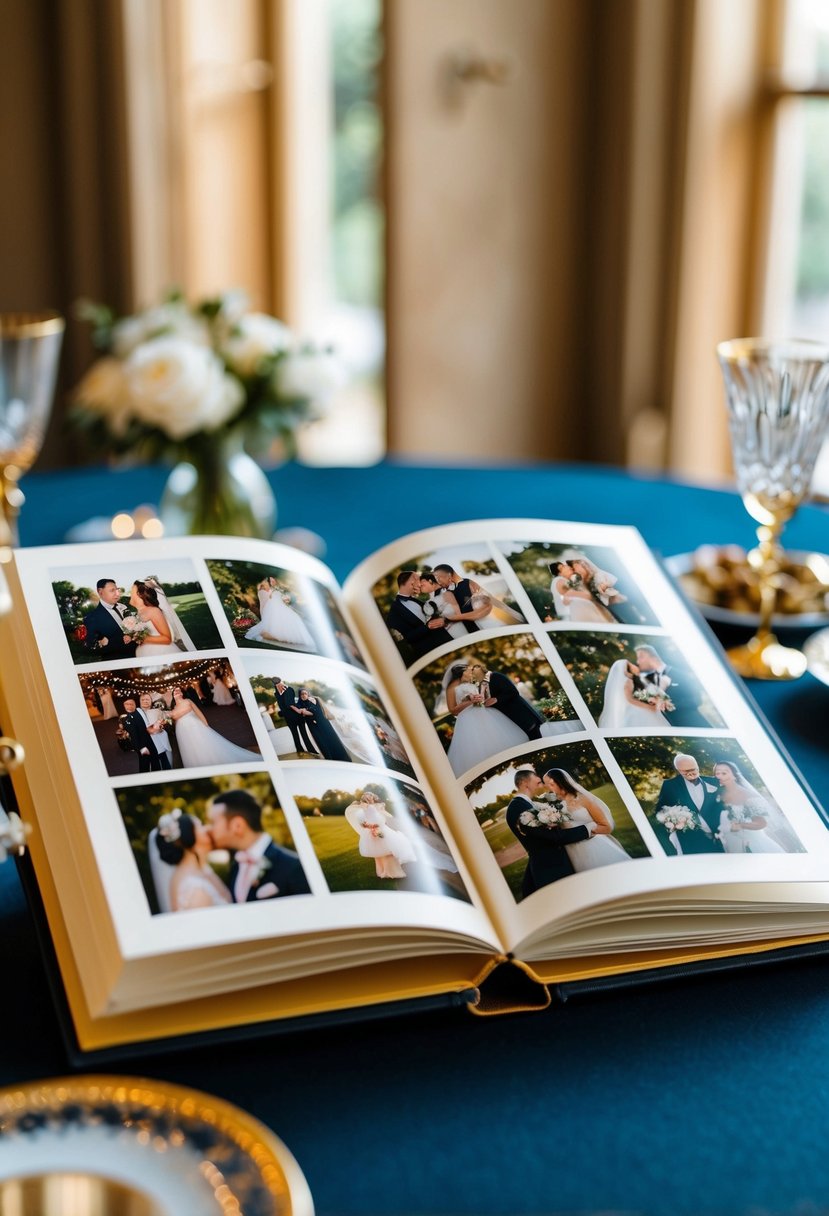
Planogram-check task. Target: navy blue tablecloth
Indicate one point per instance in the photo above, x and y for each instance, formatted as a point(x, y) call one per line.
point(709, 1095)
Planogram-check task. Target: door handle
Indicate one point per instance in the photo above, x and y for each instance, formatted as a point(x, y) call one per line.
point(468, 67)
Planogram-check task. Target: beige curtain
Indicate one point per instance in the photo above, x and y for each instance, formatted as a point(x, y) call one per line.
point(64, 223)
point(675, 184)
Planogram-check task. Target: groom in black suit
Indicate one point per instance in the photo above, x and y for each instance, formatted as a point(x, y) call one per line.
point(261, 869)
point(103, 624)
point(506, 697)
point(297, 725)
point(682, 689)
point(141, 739)
point(701, 796)
point(547, 860)
point(406, 617)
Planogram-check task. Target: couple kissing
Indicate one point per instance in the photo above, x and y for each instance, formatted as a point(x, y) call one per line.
point(260, 869)
point(645, 692)
point(563, 828)
point(432, 606)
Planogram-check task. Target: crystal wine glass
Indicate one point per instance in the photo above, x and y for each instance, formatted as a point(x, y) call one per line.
point(778, 409)
point(29, 351)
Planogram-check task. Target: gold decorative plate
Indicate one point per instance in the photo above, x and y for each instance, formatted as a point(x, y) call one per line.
point(126, 1146)
point(725, 587)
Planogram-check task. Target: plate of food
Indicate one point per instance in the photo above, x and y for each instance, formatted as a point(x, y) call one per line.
point(725, 586)
point(148, 1148)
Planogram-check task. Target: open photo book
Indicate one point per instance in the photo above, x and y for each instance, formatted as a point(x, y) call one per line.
point(504, 747)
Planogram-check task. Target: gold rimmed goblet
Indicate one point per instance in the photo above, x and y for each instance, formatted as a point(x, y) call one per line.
point(778, 409)
point(29, 352)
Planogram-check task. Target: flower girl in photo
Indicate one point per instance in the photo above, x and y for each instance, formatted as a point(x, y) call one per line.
point(389, 847)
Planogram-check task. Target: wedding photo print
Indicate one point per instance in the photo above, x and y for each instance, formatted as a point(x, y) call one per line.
point(314, 710)
point(637, 681)
point(275, 609)
point(491, 696)
point(578, 583)
point(553, 813)
point(211, 842)
point(376, 835)
point(443, 596)
point(703, 795)
point(176, 715)
point(127, 613)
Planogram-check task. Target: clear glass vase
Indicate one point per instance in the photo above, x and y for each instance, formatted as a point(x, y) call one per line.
point(220, 491)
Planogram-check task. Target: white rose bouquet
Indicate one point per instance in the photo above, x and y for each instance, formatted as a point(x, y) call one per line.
point(546, 815)
point(134, 627)
point(677, 819)
point(174, 378)
point(653, 695)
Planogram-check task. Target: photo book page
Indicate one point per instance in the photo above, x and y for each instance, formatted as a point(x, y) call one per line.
point(227, 773)
point(609, 782)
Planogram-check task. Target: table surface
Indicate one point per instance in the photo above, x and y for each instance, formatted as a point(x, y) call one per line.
point(708, 1095)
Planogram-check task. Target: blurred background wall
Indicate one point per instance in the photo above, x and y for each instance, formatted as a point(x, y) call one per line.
point(524, 223)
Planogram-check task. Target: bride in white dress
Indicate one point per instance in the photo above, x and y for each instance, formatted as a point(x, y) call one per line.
point(584, 808)
point(159, 639)
point(178, 849)
point(621, 709)
point(278, 622)
point(574, 603)
point(389, 847)
point(177, 631)
point(350, 734)
point(745, 815)
point(481, 730)
point(108, 708)
point(197, 742)
point(220, 692)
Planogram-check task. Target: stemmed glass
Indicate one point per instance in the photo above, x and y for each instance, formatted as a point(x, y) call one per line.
point(29, 351)
point(778, 409)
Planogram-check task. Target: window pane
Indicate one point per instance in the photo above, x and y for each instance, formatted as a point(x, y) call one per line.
point(810, 309)
point(355, 430)
point(799, 303)
point(806, 43)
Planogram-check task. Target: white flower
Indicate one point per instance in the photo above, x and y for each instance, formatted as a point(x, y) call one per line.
point(233, 305)
point(254, 338)
point(309, 375)
point(181, 388)
point(104, 390)
point(169, 825)
point(166, 320)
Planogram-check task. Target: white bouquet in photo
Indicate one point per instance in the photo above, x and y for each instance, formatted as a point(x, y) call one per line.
point(134, 627)
point(545, 815)
point(654, 695)
point(677, 818)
